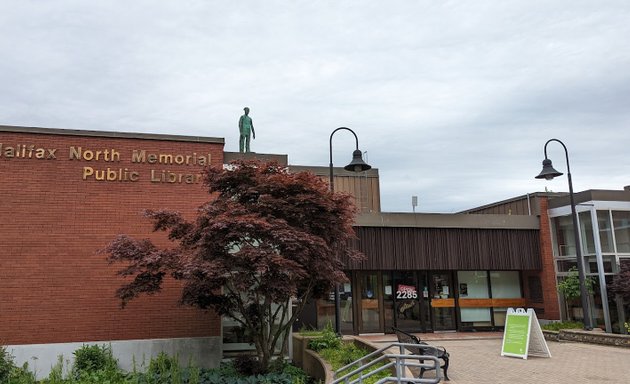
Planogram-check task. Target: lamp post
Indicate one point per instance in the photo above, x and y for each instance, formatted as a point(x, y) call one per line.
point(548, 173)
point(356, 165)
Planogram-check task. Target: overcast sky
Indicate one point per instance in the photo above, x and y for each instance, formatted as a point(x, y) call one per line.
point(452, 100)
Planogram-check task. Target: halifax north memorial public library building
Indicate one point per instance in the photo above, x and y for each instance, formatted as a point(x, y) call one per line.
point(64, 194)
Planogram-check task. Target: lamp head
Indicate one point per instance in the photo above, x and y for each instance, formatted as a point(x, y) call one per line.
point(548, 172)
point(357, 164)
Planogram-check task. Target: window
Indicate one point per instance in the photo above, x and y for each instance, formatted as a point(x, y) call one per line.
point(565, 236)
point(326, 308)
point(474, 285)
point(621, 223)
point(586, 229)
point(565, 265)
point(605, 231)
point(535, 289)
point(505, 284)
point(591, 264)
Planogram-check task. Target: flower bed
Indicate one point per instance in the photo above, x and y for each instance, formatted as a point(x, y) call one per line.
point(593, 337)
point(319, 356)
point(95, 365)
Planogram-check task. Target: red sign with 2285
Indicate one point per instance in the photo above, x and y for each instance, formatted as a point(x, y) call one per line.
point(406, 292)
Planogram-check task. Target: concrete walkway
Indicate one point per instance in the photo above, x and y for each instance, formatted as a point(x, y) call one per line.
point(475, 358)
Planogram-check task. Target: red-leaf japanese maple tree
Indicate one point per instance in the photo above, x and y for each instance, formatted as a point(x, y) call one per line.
point(266, 236)
point(620, 284)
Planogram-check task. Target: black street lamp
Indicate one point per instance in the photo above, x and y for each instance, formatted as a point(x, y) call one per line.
point(356, 165)
point(548, 172)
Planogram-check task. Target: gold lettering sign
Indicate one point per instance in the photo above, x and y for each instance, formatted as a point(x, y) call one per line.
point(79, 153)
point(27, 151)
point(142, 156)
point(163, 176)
point(110, 174)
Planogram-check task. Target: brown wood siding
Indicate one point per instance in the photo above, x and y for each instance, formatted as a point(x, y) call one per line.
point(388, 248)
point(519, 207)
point(364, 189)
point(363, 186)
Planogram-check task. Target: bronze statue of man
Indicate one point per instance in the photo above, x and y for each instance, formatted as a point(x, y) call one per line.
point(245, 127)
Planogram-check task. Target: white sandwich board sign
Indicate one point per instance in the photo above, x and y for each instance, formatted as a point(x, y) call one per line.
point(522, 335)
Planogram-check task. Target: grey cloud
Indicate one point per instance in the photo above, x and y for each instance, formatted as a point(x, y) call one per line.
point(453, 101)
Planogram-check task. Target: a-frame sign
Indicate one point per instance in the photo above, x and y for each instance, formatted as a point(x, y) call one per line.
point(523, 336)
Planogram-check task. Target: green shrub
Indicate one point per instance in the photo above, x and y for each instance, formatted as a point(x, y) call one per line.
point(12, 374)
point(283, 373)
point(21, 375)
point(93, 364)
point(226, 369)
point(289, 370)
point(192, 374)
point(348, 353)
point(92, 358)
point(164, 369)
point(6, 364)
point(343, 355)
point(327, 340)
point(105, 376)
point(563, 325)
point(56, 373)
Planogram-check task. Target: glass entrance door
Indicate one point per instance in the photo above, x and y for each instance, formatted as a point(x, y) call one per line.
point(442, 301)
point(370, 320)
point(408, 297)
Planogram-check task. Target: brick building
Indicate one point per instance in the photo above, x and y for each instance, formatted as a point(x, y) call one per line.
point(65, 194)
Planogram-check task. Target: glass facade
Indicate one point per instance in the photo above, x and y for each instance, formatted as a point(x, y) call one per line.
point(423, 301)
point(605, 239)
point(437, 300)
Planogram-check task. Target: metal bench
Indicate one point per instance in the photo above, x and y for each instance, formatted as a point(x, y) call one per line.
point(423, 349)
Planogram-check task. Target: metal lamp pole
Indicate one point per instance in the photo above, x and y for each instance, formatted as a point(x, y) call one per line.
point(356, 165)
point(548, 172)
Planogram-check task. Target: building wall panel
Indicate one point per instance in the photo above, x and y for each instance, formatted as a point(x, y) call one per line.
point(54, 285)
point(388, 248)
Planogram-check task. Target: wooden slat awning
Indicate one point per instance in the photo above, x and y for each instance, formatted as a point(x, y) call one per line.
point(396, 248)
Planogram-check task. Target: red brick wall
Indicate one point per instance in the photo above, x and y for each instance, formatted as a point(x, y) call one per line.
point(53, 285)
point(548, 274)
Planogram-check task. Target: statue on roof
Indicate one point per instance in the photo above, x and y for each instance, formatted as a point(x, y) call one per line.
point(246, 128)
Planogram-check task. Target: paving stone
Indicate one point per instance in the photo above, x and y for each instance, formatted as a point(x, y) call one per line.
point(476, 358)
